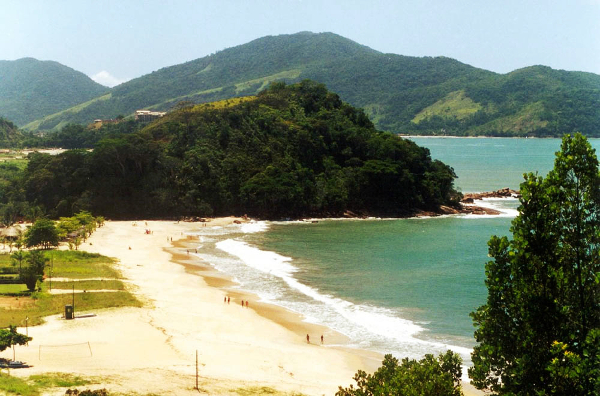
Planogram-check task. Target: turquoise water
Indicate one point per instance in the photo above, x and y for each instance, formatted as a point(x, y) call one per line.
point(394, 286)
point(486, 164)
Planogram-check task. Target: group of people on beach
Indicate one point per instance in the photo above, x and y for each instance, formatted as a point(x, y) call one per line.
point(308, 339)
point(227, 300)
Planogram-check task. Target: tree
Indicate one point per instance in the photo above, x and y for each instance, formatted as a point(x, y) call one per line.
point(34, 271)
point(42, 233)
point(10, 337)
point(544, 285)
point(427, 377)
point(18, 257)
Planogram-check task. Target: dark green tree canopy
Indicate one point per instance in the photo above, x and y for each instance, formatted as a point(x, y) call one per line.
point(42, 233)
point(542, 315)
point(292, 151)
point(426, 377)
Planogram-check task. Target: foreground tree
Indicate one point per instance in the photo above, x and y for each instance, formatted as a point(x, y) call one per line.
point(538, 331)
point(427, 377)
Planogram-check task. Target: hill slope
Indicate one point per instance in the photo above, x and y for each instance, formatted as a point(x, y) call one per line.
point(291, 151)
point(9, 133)
point(31, 89)
point(400, 94)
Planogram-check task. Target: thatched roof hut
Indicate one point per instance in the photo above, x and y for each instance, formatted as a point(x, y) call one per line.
point(12, 232)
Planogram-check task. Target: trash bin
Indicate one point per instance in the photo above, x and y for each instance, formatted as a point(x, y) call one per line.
point(69, 312)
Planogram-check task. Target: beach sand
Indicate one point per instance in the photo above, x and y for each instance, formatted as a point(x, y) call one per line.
point(153, 349)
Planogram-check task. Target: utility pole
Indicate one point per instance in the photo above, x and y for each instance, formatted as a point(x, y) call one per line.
point(197, 371)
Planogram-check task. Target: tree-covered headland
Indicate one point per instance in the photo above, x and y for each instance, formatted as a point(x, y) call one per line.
point(291, 151)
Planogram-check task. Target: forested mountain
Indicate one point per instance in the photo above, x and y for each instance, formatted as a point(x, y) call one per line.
point(291, 151)
point(9, 133)
point(31, 89)
point(401, 94)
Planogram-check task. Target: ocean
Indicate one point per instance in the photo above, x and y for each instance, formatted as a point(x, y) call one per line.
point(400, 286)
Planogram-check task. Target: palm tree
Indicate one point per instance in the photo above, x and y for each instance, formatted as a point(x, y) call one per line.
point(19, 256)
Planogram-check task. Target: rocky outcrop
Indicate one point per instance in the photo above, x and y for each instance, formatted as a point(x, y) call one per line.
point(506, 192)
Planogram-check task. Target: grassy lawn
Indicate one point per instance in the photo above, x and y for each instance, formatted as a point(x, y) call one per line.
point(36, 384)
point(12, 288)
point(79, 265)
point(45, 304)
point(66, 264)
point(86, 285)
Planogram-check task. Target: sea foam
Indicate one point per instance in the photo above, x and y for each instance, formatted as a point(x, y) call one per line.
point(367, 326)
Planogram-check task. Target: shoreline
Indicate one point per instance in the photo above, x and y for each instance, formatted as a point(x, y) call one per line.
point(291, 320)
point(184, 312)
point(152, 349)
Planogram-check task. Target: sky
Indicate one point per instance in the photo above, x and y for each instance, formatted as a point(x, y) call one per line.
point(113, 41)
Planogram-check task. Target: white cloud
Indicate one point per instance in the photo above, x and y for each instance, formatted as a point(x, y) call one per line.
point(105, 78)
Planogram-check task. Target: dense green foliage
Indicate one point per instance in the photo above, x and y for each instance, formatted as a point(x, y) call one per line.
point(31, 89)
point(10, 337)
point(42, 233)
point(427, 377)
point(34, 271)
point(393, 89)
point(291, 151)
point(9, 134)
point(538, 332)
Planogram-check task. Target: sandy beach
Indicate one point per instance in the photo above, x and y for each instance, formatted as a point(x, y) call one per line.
point(153, 349)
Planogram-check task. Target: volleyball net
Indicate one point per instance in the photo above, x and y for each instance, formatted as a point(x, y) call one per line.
point(65, 351)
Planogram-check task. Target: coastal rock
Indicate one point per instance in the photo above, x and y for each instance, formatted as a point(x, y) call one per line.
point(449, 210)
point(502, 193)
point(479, 210)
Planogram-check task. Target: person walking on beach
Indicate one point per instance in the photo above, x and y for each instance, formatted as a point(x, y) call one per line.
point(242, 303)
point(321, 339)
point(228, 299)
point(246, 303)
point(307, 339)
point(225, 299)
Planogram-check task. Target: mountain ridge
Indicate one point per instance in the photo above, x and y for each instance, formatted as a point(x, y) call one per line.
point(393, 89)
point(30, 88)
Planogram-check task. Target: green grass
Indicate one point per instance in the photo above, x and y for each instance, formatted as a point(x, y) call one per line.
point(5, 260)
point(61, 380)
point(78, 265)
point(12, 288)
point(35, 384)
point(86, 285)
point(74, 265)
point(17, 386)
point(46, 304)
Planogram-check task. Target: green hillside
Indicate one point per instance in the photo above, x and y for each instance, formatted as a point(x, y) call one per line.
point(400, 94)
point(291, 151)
point(31, 89)
point(9, 133)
